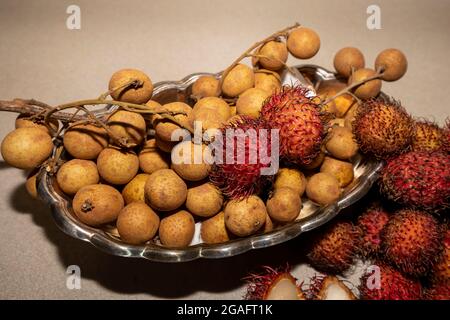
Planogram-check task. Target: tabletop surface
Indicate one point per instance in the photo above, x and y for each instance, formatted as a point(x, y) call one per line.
point(41, 58)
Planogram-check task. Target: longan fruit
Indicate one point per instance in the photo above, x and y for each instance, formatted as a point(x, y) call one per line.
point(284, 205)
point(137, 95)
point(292, 178)
point(153, 105)
point(239, 79)
point(191, 167)
point(165, 190)
point(134, 190)
point(268, 225)
point(75, 174)
point(348, 59)
point(213, 112)
point(267, 82)
point(350, 116)
point(341, 170)
point(23, 121)
point(151, 159)
point(204, 200)
point(206, 86)
point(213, 230)
point(128, 126)
point(369, 89)
point(26, 148)
point(316, 162)
point(251, 101)
point(164, 127)
point(393, 62)
point(97, 204)
point(85, 141)
point(303, 43)
point(246, 216)
point(323, 188)
point(137, 223)
point(31, 184)
point(165, 146)
point(177, 230)
point(117, 166)
point(341, 143)
point(275, 55)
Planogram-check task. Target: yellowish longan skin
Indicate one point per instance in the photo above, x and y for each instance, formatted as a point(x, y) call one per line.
point(369, 89)
point(85, 141)
point(31, 185)
point(213, 230)
point(394, 63)
point(341, 170)
point(245, 217)
point(75, 174)
point(177, 230)
point(275, 55)
point(117, 166)
point(348, 59)
point(250, 102)
point(137, 223)
point(267, 82)
point(164, 128)
point(284, 205)
point(165, 146)
point(303, 43)
point(292, 178)
point(97, 204)
point(239, 79)
point(323, 188)
point(204, 200)
point(165, 190)
point(23, 121)
point(26, 148)
point(151, 159)
point(341, 143)
point(134, 190)
point(213, 112)
point(129, 126)
point(139, 95)
point(206, 86)
point(193, 168)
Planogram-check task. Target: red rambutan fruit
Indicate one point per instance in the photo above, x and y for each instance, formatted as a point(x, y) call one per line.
point(439, 291)
point(300, 121)
point(441, 270)
point(329, 288)
point(382, 128)
point(418, 179)
point(427, 136)
point(386, 283)
point(412, 241)
point(371, 224)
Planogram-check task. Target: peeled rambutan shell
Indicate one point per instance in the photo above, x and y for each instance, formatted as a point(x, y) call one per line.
point(329, 288)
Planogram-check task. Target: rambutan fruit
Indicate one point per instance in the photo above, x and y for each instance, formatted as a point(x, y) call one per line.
point(382, 128)
point(273, 284)
point(386, 283)
point(334, 248)
point(329, 288)
point(241, 177)
point(439, 291)
point(427, 136)
point(371, 224)
point(300, 121)
point(418, 179)
point(411, 241)
point(441, 270)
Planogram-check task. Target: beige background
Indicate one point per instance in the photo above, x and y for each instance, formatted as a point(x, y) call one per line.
point(41, 58)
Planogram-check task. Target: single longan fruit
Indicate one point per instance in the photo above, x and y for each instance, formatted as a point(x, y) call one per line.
point(251, 101)
point(151, 159)
point(117, 166)
point(284, 205)
point(393, 62)
point(177, 230)
point(292, 178)
point(239, 79)
point(206, 86)
point(23, 121)
point(245, 217)
point(369, 89)
point(212, 112)
point(31, 184)
point(275, 55)
point(341, 143)
point(137, 223)
point(204, 200)
point(134, 94)
point(164, 127)
point(128, 126)
point(341, 170)
point(75, 174)
point(26, 148)
point(134, 190)
point(97, 204)
point(188, 160)
point(267, 82)
point(323, 188)
point(213, 230)
point(303, 43)
point(348, 59)
point(85, 141)
point(165, 190)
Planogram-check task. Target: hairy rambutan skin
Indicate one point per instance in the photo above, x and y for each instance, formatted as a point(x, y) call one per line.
point(393, 286)
point(427, 136)
point(441, 270)
point(371, 224)
point(440, 291)
point(419, 180)
point(412, 241)
point(383, 128)
point(301, 123)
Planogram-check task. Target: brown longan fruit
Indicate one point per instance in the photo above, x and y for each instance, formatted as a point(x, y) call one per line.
point(177, 230)
point(165, 146)
point(213, 230)
point(251, 101)
point(193, 167)
point(128, 126)
point(97, 204)
point(85, 141)
point(206, 86)
point(316, 162)
point(369, 89)
point(31, 184)
point(134, 190)
point(341, 143)
point(75, 174)
point(164, 127)
point(26, 148)
point(284, 205)
point(204, 200)
point(292, 178)
point(23, 121)
point(267, 81)
point(138, 95)
point(303, 43)
point(348, 59)
point(341, 170)
point(117, 166)
point(275, 55)
point(323, 188)
point(213, 112)
point(246, 216)
point(165, 190)
point(239, 79)
point(393, 62)
point(137, 223)
point(151, 159)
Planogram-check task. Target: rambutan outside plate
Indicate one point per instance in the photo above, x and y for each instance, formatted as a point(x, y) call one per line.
point(366, 172)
